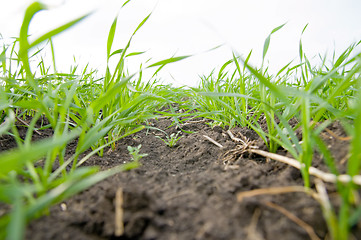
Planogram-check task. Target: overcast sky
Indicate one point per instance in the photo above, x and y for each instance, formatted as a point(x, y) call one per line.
point(184, 27)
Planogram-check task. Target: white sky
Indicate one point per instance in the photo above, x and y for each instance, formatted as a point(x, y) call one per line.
point(185, 27)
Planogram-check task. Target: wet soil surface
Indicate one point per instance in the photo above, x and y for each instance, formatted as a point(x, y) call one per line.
point(190, 191)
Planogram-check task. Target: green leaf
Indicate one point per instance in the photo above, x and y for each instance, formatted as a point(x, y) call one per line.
point(300, 46)
point(343, 56)
point(17, 224)
point(134, 54)
point(109, 95)
point(3, 59)
point(29, 14)
point(223, 67)
point(354, 162)
point(15, 159)
point(126, 3)
point(58, 30)
point(8, 123)
point(111, 38)
point(282, 69)
point(23, 36)
point(167, 61)
point(81, 179)
point(94, 134)
point(274, 88)
point(265, 46)
point(268, 39)
point(141, 24)
point(119, 51)
point(247, 59)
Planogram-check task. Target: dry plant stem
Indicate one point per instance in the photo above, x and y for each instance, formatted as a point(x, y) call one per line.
point(333, 134)
point(344, 160)
point(295, 219)
point(25, 123)
point(322, 193)
point(213, 141)
point(327, 177)
point(193, 122)
point(119, 224)
point(336, 136)
point(245, 143)
point(273, 191)
point(280, 190)
point(234, 138)
point(252, 233)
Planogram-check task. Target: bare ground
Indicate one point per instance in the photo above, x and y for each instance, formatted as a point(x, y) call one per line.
point(190, 192)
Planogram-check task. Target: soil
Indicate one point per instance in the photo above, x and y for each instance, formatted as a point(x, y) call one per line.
point(190, 191)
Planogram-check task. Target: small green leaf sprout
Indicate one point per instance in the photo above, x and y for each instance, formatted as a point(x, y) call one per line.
point(134, 152)
point(171, 140)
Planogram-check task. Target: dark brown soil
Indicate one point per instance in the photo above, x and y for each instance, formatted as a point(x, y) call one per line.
point(187, 192)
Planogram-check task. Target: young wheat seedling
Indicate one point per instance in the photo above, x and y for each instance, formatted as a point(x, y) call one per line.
point(171, 140)
point(134, 151)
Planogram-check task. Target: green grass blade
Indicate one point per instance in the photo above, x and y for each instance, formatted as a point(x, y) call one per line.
point(93, 136)
point(126, 3)
point(78, 181)
point(283, 68)
point(8, 122)
point(134, 54)
point(169, 60)
point(17, 224)
point(354, 162)
point(15, 159)
point(247, 60)
point(119, 51)
point(268, 39)
point(266, 46)
point(58, 30)
point(344, 56)
point(300, 44)
point(3, 60)
point(111, 37)
point(329, 160)
point(108, 96)
point(53, 55)
point(274, 88)
point(220, 73)
point(23, 37)
point(142, 23)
